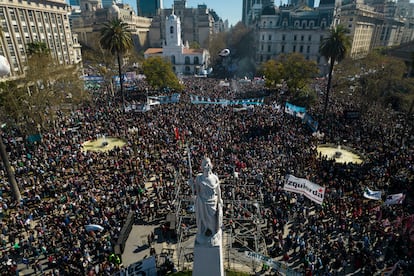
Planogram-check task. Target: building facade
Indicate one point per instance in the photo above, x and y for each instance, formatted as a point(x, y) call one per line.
point(184, 60)
point(88, 22)
point(290, 30)
point(372, 26)
point(198, 24)
point(45, 21)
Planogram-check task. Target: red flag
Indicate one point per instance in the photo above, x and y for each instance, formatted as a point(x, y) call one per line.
point(177, 133)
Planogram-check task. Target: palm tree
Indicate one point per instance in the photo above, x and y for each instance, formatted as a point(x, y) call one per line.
point(116, 38)
point(334, 48)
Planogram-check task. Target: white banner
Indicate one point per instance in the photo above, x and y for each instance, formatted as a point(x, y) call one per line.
point(375, 195)
point(303, 186)
point(279, 266)
point(394, 199)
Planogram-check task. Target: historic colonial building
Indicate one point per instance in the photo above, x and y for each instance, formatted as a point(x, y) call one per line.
point(45, 21)
point(288, 29)
point(184, 59)
point(88, 22)
point(198, 24)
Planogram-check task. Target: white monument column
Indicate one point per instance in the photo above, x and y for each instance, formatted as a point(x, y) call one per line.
point(208, 253)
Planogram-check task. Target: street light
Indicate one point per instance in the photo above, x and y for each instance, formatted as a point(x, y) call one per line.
point(4, 71)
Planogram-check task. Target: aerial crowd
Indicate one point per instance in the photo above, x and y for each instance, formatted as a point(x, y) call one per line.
point(64, 187)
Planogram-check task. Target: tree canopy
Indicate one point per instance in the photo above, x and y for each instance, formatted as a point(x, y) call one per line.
point(30, 101)
point(292, 69)
point(159, 74)
point(240, 62)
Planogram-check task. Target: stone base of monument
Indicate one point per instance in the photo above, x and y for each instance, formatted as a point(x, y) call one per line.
point(208, 261)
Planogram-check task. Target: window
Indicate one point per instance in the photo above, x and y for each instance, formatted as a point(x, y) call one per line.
point(283, 49)
point(301, 48)
point(262, 37)
point(196, 60)
point(294, 48)
point(261, 47)
point(270, 37)
point(309, 38)
point(187, 60)
point(171, 30)
point(173, 59)
point(302, 38)
point(294, 37)
point(308, 49)
point(187, 69)
point(269, 48)
point(284, 37)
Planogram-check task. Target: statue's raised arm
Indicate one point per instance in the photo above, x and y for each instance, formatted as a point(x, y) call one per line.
point(208, 205)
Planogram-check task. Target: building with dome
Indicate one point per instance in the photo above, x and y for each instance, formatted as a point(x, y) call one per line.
point(88, 21)
point(184, 60)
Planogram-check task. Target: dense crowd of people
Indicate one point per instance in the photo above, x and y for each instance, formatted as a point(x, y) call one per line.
point(65, 188)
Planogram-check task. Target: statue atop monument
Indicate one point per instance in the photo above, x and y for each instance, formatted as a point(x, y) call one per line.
point(208, 205)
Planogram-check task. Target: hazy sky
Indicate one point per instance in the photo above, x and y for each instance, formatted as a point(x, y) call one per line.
point(226, 9)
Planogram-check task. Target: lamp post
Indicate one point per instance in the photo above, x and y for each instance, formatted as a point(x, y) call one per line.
point(5, 70)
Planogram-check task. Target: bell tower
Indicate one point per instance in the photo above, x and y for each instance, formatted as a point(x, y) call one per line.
point(173, 31)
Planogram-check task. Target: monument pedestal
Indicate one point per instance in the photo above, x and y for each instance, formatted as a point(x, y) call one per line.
point(208, 260)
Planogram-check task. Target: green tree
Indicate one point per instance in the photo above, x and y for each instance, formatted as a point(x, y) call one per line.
point(194, 45)
point(37, 48)
point(292, 69)
point(116, 38)
point(272, 71)
point(159, 74)
point(45, 86)
point(334, 48)
point(297, 71)
point(5, 159)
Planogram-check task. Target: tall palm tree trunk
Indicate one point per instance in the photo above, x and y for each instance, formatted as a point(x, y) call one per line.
point(9, 171)
point(328, 87)
point(121, 81)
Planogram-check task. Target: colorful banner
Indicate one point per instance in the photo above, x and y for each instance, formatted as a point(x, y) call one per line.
point(294, 110)
point(375, 195)
point(394, 199)
point(303, 186)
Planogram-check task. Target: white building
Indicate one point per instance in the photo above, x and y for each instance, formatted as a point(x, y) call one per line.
point(183, 59)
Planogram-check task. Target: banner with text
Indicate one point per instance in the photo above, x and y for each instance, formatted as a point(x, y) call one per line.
point(303, 186)
point(207, 100)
